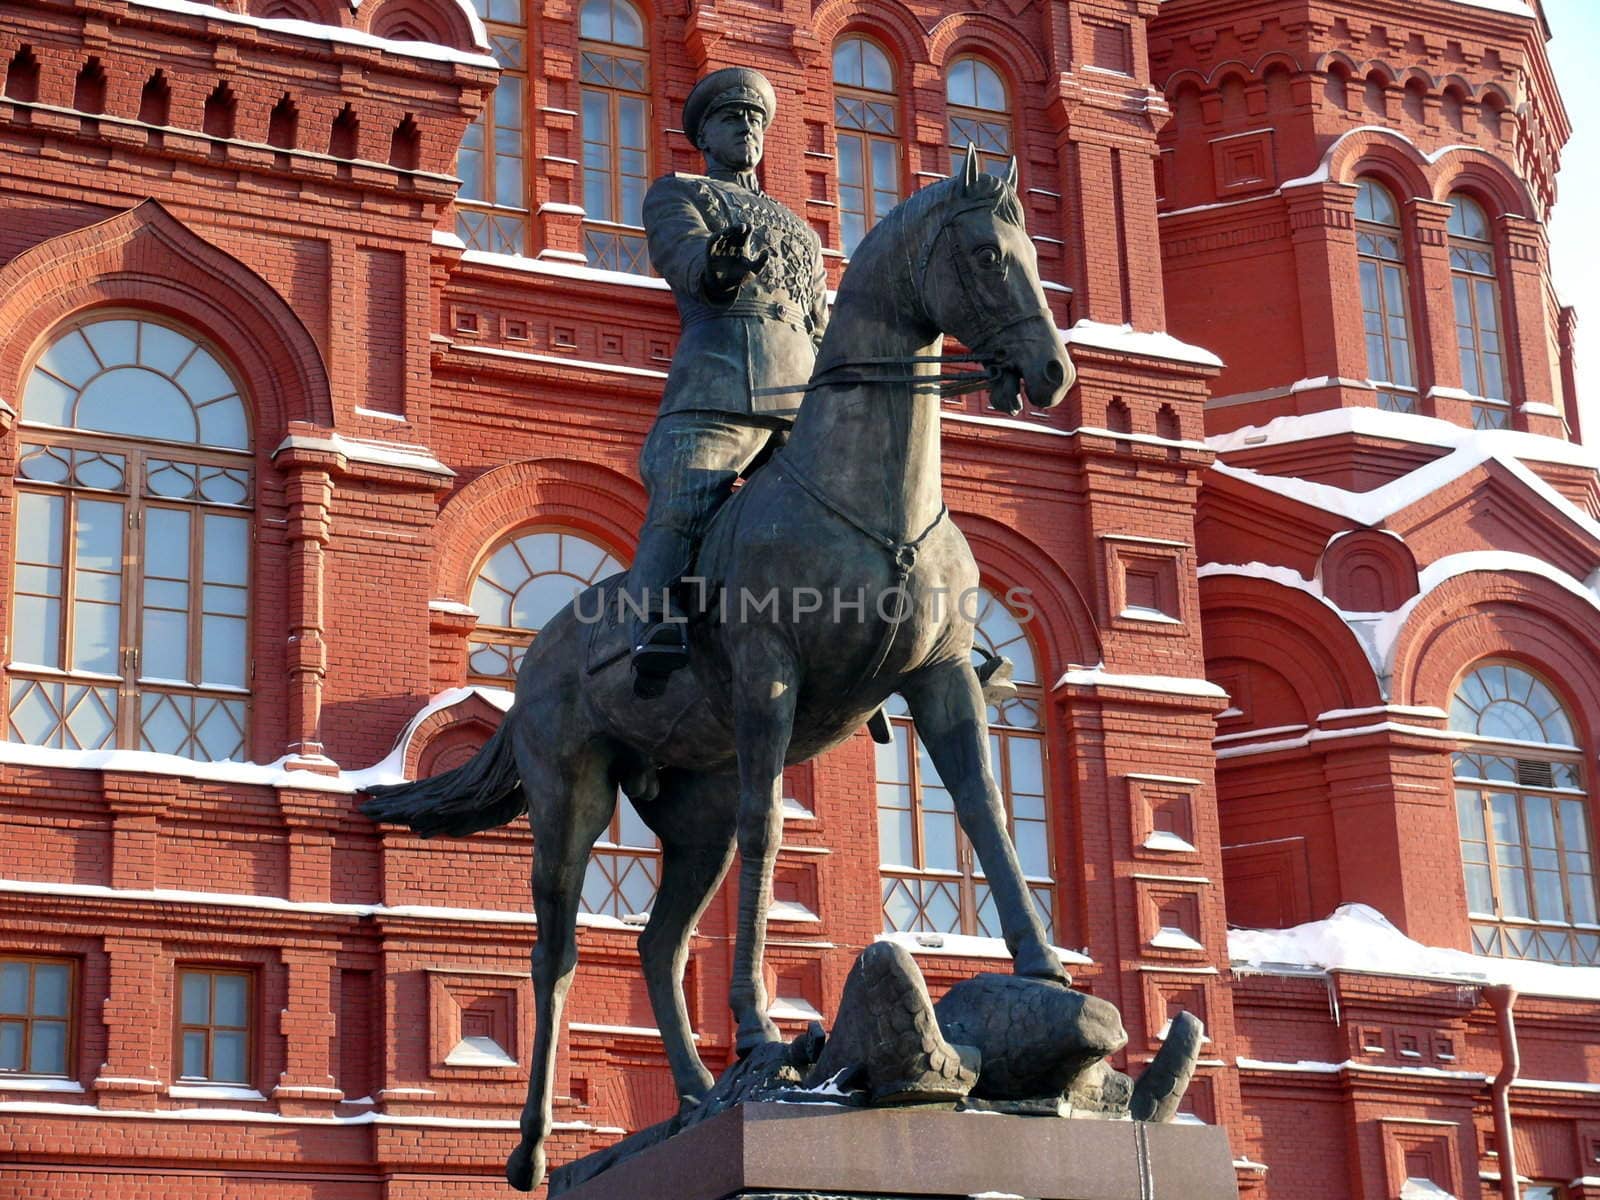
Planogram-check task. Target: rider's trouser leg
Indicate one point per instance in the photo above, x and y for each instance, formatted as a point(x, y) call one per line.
point(689, 465)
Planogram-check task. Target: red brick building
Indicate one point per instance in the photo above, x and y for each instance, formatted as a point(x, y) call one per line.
point(326, 347)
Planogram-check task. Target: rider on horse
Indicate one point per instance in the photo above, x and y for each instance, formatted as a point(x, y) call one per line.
point(747, 275)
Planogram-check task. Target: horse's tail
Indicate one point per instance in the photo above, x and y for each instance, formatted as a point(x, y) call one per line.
point(482, 793)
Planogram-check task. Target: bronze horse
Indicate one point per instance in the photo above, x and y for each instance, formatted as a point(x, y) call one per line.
point(850, 508)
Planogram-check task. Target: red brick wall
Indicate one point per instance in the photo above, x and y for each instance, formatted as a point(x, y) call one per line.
point(322, 281)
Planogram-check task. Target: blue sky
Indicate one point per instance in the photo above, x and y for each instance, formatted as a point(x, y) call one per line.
point(1575, 221)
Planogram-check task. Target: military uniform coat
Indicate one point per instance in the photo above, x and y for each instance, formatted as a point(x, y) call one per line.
point(751, 354)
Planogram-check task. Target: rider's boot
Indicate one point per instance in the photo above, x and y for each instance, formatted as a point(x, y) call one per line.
point(660, 637)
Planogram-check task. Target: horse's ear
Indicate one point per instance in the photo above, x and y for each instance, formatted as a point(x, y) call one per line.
point(1011, 173)
point(969, 176)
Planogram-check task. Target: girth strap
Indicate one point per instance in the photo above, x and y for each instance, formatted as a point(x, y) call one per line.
point(902, 555)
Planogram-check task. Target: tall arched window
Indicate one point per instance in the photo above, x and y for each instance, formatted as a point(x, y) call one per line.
point(1477, 298)
point(1524, 819)
point(614, 70)
point(134, 486)
point(1385, 297)
point(931, 879)
point(527, 578)
point(980, 115)
point(866, 125)
point(524, 581)
point(492, 205)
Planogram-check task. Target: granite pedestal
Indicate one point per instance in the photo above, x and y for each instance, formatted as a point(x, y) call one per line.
point(812, 1152)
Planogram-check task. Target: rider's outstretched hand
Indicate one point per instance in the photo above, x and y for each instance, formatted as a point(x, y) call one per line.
point(728, 261)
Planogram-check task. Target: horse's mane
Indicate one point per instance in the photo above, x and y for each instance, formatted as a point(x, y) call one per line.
point(925, 203)
point(921, 213)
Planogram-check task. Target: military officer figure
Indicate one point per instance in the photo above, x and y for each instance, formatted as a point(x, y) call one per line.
point(747, 275)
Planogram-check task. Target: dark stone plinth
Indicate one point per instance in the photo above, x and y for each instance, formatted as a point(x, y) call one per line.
point(815, 1152)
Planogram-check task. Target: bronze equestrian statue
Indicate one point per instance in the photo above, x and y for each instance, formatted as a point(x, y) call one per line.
point(850, 505)
point(752, 297)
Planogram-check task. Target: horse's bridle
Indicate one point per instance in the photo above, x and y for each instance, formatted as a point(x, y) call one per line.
point(983, 352)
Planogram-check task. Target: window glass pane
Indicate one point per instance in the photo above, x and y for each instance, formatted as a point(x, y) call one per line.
point(847, 62)
point(1027, 770)
point(1480, 891)
point(194, 1054)
point(226, 549)
point(11, 1045)
point(97, 614)
point(1503, 809)
point(895, 847)
point(876, 73)
point(1513, 892)
point(223, 652)
point(115, 342)
point(136, 403)
point(72, 362)
point(1469, 814)
point(14, 988)
point(50, 982)
point(229, 1000)
point(47, 1053)
point(1549, 904)
point(1033, 849)
point(162, 349)
point(939, 841)
point(166, 646)
point(196, 998)
point(228, 1058)
point(39, 526)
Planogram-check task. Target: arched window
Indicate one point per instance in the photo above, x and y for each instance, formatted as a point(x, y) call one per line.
point(1385, 297)
point(866, 124)
point(131, 609)
point(525, 580)
point(624, 869)
point(1477, 297)
point(492, 205)
point(931, 879)
point(980, 115)
point(614, 70)
point(1524, 819)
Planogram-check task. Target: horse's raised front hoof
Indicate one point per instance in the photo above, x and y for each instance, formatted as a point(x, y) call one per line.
point(754, 1031)
point(1038, 961)
point(525, 1167)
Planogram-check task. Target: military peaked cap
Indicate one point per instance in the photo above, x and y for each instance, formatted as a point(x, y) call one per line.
point(730, 85)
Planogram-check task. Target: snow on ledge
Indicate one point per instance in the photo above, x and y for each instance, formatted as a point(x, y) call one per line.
point(965, 945)
point(1359, 938)
point(1175, 685)
point(337, 33)
point(1412, 428)
point(390, 769)
point(378, 454)
point(564, 270)
point(1123, 339)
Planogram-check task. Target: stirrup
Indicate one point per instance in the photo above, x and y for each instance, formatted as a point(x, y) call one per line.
point(662, 649)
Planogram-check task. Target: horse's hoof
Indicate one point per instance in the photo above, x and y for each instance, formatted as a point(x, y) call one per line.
point(1036, 961)
point(525, 1167)
point(753, 1034)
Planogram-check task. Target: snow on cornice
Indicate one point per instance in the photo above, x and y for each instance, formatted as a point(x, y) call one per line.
point(1360, 939)
point(377, 454)
point(1123, 339)
point(277, 774)
point(1399, 427)
point(1323, 173)
point(1172, 685)
point(1378, 633)
point(1471, 449)
point(340, 35)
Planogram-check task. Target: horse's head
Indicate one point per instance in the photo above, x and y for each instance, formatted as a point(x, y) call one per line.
point(980, 283)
